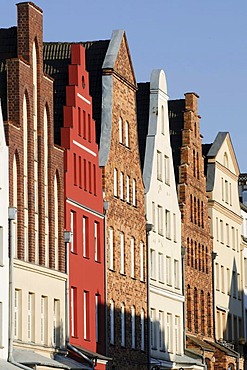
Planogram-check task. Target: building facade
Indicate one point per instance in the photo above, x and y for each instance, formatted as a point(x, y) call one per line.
point(36, 190)
point(84, 215)
point(165, 282)
point(113, 89)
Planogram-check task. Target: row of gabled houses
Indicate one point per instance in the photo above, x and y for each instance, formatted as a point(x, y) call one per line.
point(123, 238)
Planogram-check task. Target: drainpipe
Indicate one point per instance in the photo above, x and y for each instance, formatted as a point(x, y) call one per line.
point(106, 208)
point(12, 216)
point(67, 240)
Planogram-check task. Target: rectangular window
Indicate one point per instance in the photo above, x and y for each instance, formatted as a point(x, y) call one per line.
point(142, 262)
point(75, 170)
point(120, 127)
point(79, 122)
point(94, 180)
point(142, 330)
point(97, 241)
point(121, 186)
point(115, 185)
point(228, 281)
point(153, 216)
point(237, 245)
point(85, 174)
point(86, 314)
point(80, 173)
point(1, 324)
point(233, 238)
point(160, 220)
point(238, 286)
point(126, 133)
point(234, 284)
point(168, 270)
point(127, 189)
point(85, 237)
point(122, 325)
point(222, 279)
point(161, 331)
point(169, 332)
point(84, 125)
point(230, 194)
point(133, 328)
point(159, 166)
point(122, 254)
point(245, 272)
point(177, 335)
point(89, 127)
point(227, 235)
point(1, 246)
point(222, 188)
point(90, 176)
point(174, 227)
point(152, 262)
point(153, 328)
point(17, 313)
point(56, 323)
point(134, 192)
point(226, 191)
point(73, 311)
point(97, 318)
point(161, 267)
point(168, 224)
point(217, 275)
point(132, 254)
point(112, 322)
point(221, 232)
point(167, 170)
point(217, 228)
point(176, 274)
point(73, 232)
point(30, 318)
point(43, 320)
point(111, 249)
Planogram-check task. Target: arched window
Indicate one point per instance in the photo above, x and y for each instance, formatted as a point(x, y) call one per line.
point(226, 163)
point(120, 128)
point(112, 322)
point(122, 325)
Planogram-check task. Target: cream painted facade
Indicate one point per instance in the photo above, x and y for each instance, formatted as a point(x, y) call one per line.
point(226, 223)
point(164, 240)
point(4, 260)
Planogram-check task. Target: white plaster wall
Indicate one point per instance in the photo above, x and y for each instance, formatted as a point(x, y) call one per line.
point(4, 260)
point(229, 212)
point(40, 281)
point(244, 272)
point(162, 296)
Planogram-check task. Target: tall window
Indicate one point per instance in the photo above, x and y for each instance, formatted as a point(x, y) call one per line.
point(85, 236)
point(126, 133)
point(168, 270)
point(162, 120)
point(43, 319)
point(120, 128)
point(153, 264)
point(161, 331)
point(56, 323)
point(115, 183)
point(73, 230)
point(176, 274)
point(97, 317)
point(134, 192)
point(153, 328)
point(15, 202)
point(122, 254)
point(159, 165)
point(127, 189)
point(86, 314)
point(133, 327)
point(132, 255)
point(46, 200)
point(30, 318)
point(17, 316)
point(153, 216)
point(169, 332)
point(160, 220)
point(73, 311)
point(161, 267)
point(25, 173)
point(97, 241)
point(122, 325)
point(174, 227)
point(142, 330)
point(142, 262)
point(111, 249)
point(177, 334)
point(1, 324)
point(121, 186)
point(112, 322)
point(167, 170)
point(168, 224)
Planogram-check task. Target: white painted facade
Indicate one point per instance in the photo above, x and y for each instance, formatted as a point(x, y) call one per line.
point(226, 224)
point(4, 260)
point(164, 240)
point(244, 267)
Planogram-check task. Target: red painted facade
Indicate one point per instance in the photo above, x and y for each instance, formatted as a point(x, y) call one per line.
point(83, 211)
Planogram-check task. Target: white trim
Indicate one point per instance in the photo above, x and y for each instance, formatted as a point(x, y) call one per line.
point(84, 99)
point(165, 293)
point(84, 148)
point(76, 204)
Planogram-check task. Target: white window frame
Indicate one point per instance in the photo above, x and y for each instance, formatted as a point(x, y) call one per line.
point(159, 165)
point(133, 328)
point(112, 322)
point(168, 224)
point(127, 189)
point(142, 330)
point(127, 134)
point(161, 267)
point(115, 182)
point(134, 192)
point(153, 264)
point(142, 261)
point(168, 270)
point(120, 126)
point(111, 248)
point(122, 253)
point(160, 220)
point(132, 260)
point(122, 325)
point(121, 193)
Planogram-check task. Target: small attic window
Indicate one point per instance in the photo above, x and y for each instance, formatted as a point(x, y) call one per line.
point(83, 82)
point(226, 164)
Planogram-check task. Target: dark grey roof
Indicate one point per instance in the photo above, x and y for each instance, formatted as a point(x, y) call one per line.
point(71, 363)
point(176, 110)
point(56, 61)
point(215, 147)
point(31, 358)
point(142, 102)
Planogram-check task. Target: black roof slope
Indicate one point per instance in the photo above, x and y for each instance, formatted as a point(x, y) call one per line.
point(8, 49)
point(205, 150)
point(142, 102)
point(176, 110)
point(56, 60)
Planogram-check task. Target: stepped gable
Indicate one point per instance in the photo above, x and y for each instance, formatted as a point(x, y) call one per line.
point(56, 61)
point(142, 101)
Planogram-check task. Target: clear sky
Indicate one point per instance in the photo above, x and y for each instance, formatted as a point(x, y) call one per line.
point(201, 45)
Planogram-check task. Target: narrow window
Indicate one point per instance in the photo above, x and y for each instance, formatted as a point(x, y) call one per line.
point(132, 253)
point(122, 325)
point(111, 249)
point(162, 120)
point(85, 174)
point(120, 127)
point(112, 322)
point(122, 254)
point(84, 125)
point(222, 279)
point(73, 230)
point(167, 170)
point(127, 189)
point(90, 176)
point(134, 192)
point(174, 227)
point(1, 324)
point(75, 169)
point(17, 313)
point(169, 332)
point(161, 331)
point(168, 270)
point(153, 328)
point(121, 185)
point(73, 311)
point(56, 224)
point(89, 127)
point(80, 173)
point(153, 264)
point(97, 241)
point(168, 224)
point(176, 274)
point(153, 216)
point(56, 323)
point(85, 237)
point(97, 317)
point(217, 275)
point(115, 183)
point(142, 330)
point(177, 335)
point(161, 267)
point(79, 122)
point(86, 314)
point(127, 134)
point(30, 318)
point(94, 180)
point(159, 166)
point(142, 262)
point(160, 220)
point(43, 319)
point(133, 327)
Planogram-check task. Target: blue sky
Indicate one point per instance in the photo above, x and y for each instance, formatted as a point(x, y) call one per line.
point(201, 45)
